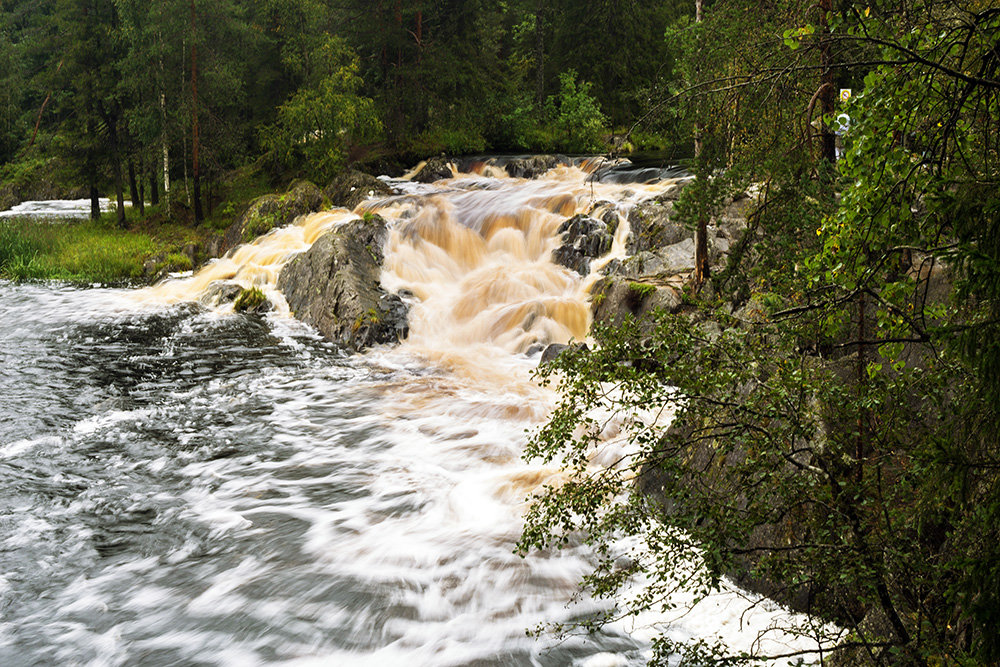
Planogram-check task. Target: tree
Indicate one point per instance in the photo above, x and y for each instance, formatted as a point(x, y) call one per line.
point(835, 437)
point(321, 119)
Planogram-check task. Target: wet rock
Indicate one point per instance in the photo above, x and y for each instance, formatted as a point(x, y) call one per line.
point(434, 169)
point(334, 286)
point(270, 211)
point(353, 187)
point(219, 292)
point(553, 350)
point(584, 239)
point(252, 300)
point(531, 167)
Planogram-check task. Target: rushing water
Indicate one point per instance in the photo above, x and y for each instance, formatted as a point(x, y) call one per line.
point(50, 209)
point(186, 486)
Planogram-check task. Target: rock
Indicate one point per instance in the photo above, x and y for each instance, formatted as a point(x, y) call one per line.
point(614, 298)
point(434, 169)
point(553, 350)
point(651, 227)
point(531, 167)
point(252, 300)
point(334, 286)
point(270, 211)
point(213, 247)
point(643, 265)
point(219, 292)
point(353, 187)
point(679, 257)
point(190, 250)
point(9, 196)
point(583, 239)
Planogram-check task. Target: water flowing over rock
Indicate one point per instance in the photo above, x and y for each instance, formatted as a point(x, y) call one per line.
point(353, 187)
point(334, 286)
point(584, 239)
point(270, 211)
point(532, 167)
point(435, 169)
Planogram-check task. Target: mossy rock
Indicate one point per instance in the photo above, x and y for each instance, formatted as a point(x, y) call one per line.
point(273, 210)
point(351, 187)
point(251, 300)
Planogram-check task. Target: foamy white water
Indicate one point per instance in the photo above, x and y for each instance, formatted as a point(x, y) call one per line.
point(57, 208)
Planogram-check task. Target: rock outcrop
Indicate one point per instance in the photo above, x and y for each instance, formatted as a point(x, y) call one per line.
point(660, 260)
point(435, 169)
point(532, 167)
point(334, 286)
point(584, 238)
point(270, 211)
point(352, 187)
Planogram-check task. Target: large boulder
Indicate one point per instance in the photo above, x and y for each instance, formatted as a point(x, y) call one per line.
point(270, 211)
point(583, 239)
point(335, 287)
point(435, 169)
point(614, 298)
point(532, 167)
point(353, 187)
point(651, 227)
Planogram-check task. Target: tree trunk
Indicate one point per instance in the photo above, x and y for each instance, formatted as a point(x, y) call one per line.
point(133, 189)
point(198, 216)
point(701, 269)
point(539, 56)
point(154, 187)
point(827, 90)
point(95, 202)
point(119, 193)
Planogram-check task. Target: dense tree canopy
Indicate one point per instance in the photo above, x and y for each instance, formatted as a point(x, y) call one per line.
point(182, 91)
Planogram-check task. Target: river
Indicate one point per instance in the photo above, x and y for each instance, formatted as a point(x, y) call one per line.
point(182, 485)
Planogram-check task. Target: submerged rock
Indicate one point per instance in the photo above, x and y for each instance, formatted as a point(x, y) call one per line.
point(584, 239)
point(270, 211)
point(353, 187)
point(335, 287)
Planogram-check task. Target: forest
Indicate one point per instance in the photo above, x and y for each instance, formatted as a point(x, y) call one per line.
point(837, 381)
point(136, 96)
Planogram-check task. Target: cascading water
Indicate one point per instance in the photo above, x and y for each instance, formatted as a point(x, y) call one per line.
point(183, 486)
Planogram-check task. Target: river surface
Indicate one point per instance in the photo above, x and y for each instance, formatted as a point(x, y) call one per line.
point(182, 485)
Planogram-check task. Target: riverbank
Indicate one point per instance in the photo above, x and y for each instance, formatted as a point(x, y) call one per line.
point(96, 251)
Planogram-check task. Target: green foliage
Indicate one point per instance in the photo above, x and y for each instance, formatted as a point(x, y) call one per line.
point(838, 437)
point(576, 116)
point(323, 117)
point(87, 252)
point(178, 261)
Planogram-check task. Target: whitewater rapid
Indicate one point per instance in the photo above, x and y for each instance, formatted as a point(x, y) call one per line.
point(185, 485)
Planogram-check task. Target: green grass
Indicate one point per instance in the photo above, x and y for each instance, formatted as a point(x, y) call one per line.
point(86, 252)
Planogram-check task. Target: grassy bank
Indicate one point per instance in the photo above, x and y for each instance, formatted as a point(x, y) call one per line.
point(93, 251)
